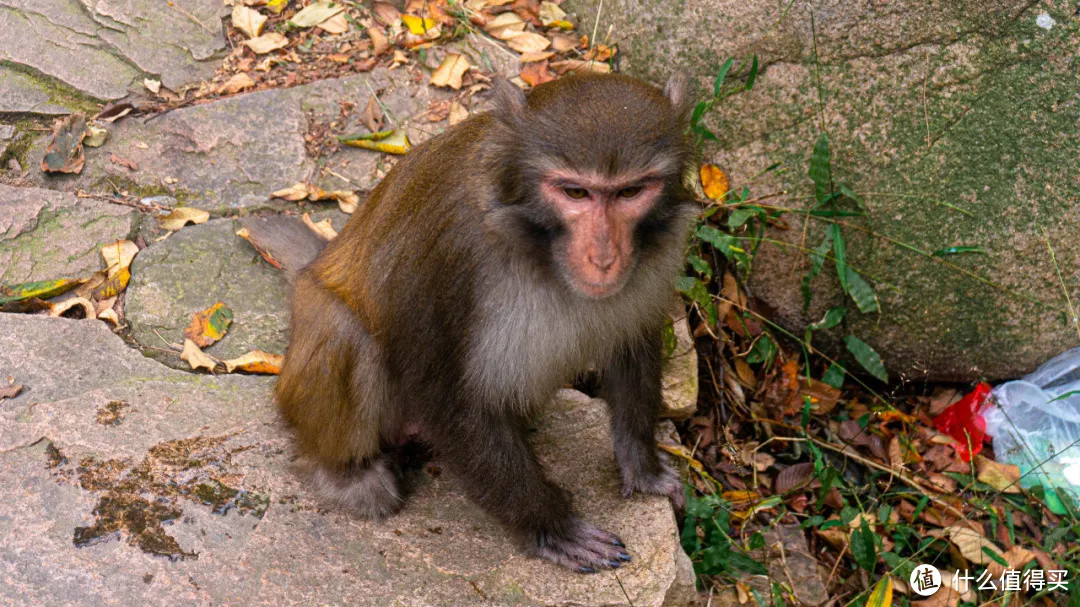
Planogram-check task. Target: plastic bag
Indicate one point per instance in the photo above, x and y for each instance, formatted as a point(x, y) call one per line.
point(1035, 424)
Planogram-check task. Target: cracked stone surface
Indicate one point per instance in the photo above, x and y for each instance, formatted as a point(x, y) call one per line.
point(955, 121)
point(230, 154)
point(197, 267)
point(201, 466)
point(102, 50)
point(46, 235)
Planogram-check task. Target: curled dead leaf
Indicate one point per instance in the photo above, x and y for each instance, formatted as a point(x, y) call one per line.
point(567, 66)
point(267, 43)
point(536, 73)
point(112, 286)
point(248, 20)
point(65, 152)
point(450, 71)
point(237, 83)
point(60, 308)
point(379, 42)
point(196, 358)
point(390, 142)
point(458, 113)
point(181, 216)
point(255, 361)
point(324, 228)
point(118, 255)
point(95, 135)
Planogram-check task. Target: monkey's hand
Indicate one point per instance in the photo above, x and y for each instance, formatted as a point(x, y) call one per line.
point(582, 547)
point(661, 478)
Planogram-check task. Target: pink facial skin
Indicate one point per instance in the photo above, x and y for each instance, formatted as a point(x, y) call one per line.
point(600, 215)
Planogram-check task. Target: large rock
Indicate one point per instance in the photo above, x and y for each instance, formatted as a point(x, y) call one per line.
point(58, 53)
point(230, 154)
point(955, 121)
point(45, 235)
point(125, 482)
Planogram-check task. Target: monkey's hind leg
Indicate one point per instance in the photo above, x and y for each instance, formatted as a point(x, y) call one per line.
point(333, 392)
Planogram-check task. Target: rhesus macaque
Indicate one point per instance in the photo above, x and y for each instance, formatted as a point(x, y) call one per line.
point(492, 265)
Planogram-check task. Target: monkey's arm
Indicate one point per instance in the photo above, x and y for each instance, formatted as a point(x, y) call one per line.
point(488, 451)
point(631, 385)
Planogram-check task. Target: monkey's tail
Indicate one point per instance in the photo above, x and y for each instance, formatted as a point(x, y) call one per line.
point(285, 239)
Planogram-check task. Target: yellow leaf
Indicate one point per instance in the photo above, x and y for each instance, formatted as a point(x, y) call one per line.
point(562, 24)
point(118, 255)
point(324, 228)
point(1003, 477)
point(179, 217)
point(550, 12)
point(418, 25)
point(276, 6)
point(713, 181)
point(210, 325)
point(528, 42)
point(256, 361)
point(882, 594)
point(248, 20)
point(450, 71)
point(267, 43)
point(390, 142)
point(113, 286)
point(196, 358)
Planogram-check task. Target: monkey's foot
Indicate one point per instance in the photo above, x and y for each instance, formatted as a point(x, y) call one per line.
point(372, 491)
point(664, 481)
point(583, 547)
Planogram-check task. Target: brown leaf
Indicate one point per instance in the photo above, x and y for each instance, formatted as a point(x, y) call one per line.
point(324, 228)
point(335, 25)
point(386, 13)
point(10, 391)
point(458, 113)
point(541, 56)
point(562, 43)
point(794, 476)
point(124, 162)
point(181, 216)
point(114, 111)
point(536, 73)
point(438, 110)
point(896, 456)
point(1016, 557)
point(209, 326)
point(505, 26)
point(65, 152)
point(237, 83)
point(823, 397)
point(372, 117)
point(450, 71)
point(972, 544)
point(62, 307)
point(567, 66)
point(255, 361)
point(528, 42)
point(196, 358)
point(267, 43)
point(1003, 477)
point(379, 41)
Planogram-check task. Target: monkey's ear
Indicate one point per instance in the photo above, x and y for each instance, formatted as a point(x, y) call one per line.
point(675, 91)
point(509, 99)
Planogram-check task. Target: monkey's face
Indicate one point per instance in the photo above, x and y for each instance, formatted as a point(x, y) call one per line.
point(599, 216)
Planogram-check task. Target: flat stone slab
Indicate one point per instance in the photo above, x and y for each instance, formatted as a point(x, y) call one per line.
point(233, 153)
point(101, 50)
point(125, 482)
point(46, 235)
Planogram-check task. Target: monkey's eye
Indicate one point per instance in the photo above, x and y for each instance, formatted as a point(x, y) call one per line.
point(576, 192)
point(630, 192)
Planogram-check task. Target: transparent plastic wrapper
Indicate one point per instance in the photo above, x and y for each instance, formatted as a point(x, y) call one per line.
point(1035, 424)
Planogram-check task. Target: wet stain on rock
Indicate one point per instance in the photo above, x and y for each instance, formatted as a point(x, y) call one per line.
point(138, 501)
point(112, 413)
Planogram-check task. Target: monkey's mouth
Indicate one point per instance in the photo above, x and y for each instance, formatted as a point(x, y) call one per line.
point(598, 290)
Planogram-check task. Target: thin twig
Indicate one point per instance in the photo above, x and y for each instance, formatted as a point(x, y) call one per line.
point(1061, 281)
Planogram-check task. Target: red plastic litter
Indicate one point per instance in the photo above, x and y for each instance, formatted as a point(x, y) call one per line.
point(962, 421)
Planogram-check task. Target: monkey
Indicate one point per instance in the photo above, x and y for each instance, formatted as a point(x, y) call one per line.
point(489, 267)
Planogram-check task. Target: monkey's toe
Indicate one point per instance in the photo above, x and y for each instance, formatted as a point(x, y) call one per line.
point(584, 548)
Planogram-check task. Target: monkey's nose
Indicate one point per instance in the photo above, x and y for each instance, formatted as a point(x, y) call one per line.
point(603, 263)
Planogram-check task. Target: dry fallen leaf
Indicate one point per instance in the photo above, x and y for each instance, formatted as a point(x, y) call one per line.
point(379, 42)
point(95, 135)
point(531, 57)
point(973, 546)
point(536, 73)
point(196, 358)
point(267, 43)
point(506, 25)
point(562, 43)
point(335, 25)
point(713, 181)
point(567, 66)
point(458, 113)
point(124, 162)
point(152, 85)
point(179, 217)
point(112, 286)
point(65, 152)
point(528, 42)
point(386, 13)
point(450, 71)
point(255, 361)
point(390, 142)
point(210, 325)
point(236, 84)
point(420, 26)
point(315, 13)
point(10, 391)
point(293, 193)
point(550, 13)
point(60, 307)
point(248, 20)
point(118, 255)
point(325, 229)
point(373, 115)
point(1003, 477)
point(1015, 558)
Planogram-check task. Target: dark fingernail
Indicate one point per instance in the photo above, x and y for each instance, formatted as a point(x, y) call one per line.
point(615, 564)
point(624, 556)
point(584, 569)
point(619, 543)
